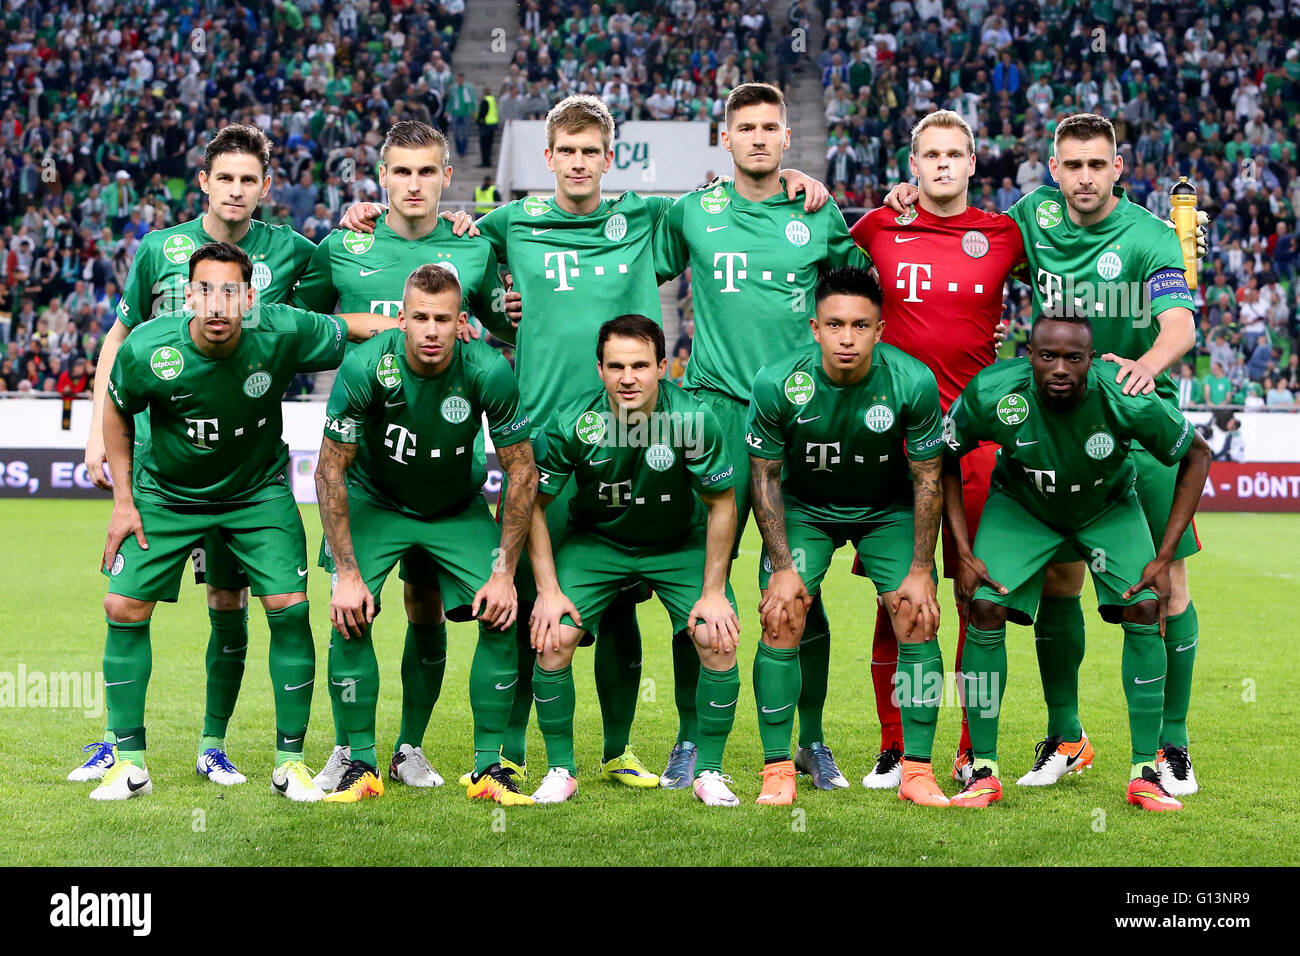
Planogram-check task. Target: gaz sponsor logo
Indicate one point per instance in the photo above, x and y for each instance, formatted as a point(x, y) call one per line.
point(975, 244)
point(357, 242)
point(800, 388)
point(1012, 409)
point(255, 385)
point(455, 409)
point(1048, 213)
point(797, 231)
point(616, 227)
point(261, 276)
point(1109, 266)
point(389, 372)
point(879, 418)
point(714, 200)
point(536, 206)
point(166, 362)
point(660, 457)
point(1099, 445)
point(178, 249)
point(590, 428)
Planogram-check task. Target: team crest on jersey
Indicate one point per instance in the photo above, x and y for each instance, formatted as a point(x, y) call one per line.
point(255, 385)
point(1048, 213)
point(799, 388)
point(1099, 445)
point(975, 244)
point(1109, 266)
point(178, 249)
point(797, 231)
point(616, 227)
point(1012, 409)
point(389, 372)
point(455, 409)
point(449, 266)
point(660, 457)
point(357, 242)
point(261, 276)
point(906, 216)
point(590, 428)
point(879, 418)
point(119, 562)
point(166, 362)
point(714, 200)
point(536, 206)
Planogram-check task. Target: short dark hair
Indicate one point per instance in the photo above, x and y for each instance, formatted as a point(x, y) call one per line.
point(431, 279)
point(1084, 126)
point(849, 280)
point(752, 94)
point(631, 326)
point(1064, 317)
point(412, 134)
point(222, 252)
point(238, 138)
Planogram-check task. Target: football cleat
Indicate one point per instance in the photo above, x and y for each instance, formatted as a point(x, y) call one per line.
point(1174, 767)
point(517, 770)
point(1146, 792)
point(410, 767)
point(982, 789)
point(629, 771)
point(293, 780)
point(818, 762)
point(711, 788)
point(962, 764)
point(1056, 758)
point(123, 781)
point(334, 769)
point(886, 775)
point(100, 762)
point(919, 786)
point(360, 781)
point(557, 786)
point(778, 784)
point(498, 785)
point(216, 766)
point(681, 767)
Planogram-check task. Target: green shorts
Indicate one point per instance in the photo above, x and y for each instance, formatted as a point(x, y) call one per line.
point(1017, 548)
point(1155, 489)
point(733, 416)
point(216, 564)
point(456, 550)
point(265, 537)
point(884, 547)
point(593, 571)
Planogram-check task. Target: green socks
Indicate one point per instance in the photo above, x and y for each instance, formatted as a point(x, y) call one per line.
point(293, 670)
point(715, 699)
point(686, 677)
point(554, 695)
point(513, 748)
point(919, 680)
point(354, 690)
point(1059, 643)
point(1182, 632)
point(618, 673)
point(1143, 667)
point(777, 681)
point(984, 673)
point(815, 664)
point(424, 661)
point(227, 648)
point(128, 662)
point(492, 679)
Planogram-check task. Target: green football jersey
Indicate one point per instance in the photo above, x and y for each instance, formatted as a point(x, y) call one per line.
point(575, 273)
point(637, 479)
point(161, 267)
point(415, 435)
point(1064, 467)
point(845, 449)
point(215, 424)
point(1121, 273)
point(754, 268)
point(354, 272)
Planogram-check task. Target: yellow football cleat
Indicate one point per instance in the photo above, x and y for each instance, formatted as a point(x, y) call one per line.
point(629, 771)
point(497, 784)
point(359, 782)
point(517, 771)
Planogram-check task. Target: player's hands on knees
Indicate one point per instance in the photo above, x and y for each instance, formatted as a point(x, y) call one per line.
point(360, 216)
point(514, 302)
point(902, 196)
point(544, 627)
point(971, 573)
point(916, 604)
point(719, 627)
point(1156, 577)
point(786, 601)
point(352, 606)
point(1141, 377)
point(124, 522)
point(499, 601)
point(461, 222)
point(815, 193)
point(96, 457)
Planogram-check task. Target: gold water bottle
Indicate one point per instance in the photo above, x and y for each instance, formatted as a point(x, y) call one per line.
point(1182, 200)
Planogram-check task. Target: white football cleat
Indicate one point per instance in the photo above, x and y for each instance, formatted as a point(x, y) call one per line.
point(1174, 767)
point(711, 788)
point(216, 766)
point(293, 780)
point(557, 786)
point(1056, 758)
point(123, 781)
point(334, 769)
point(100, 762)
point(887, 774)
point(410, 767)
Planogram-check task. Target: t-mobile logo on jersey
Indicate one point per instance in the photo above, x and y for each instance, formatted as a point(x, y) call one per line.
point(403, 446)
point(823, 458)
point(388, 307)
point(202, 431)
point(1044, 481)
point(913, 282)
point(556, 264)
point(615, 494)
point(729, 260)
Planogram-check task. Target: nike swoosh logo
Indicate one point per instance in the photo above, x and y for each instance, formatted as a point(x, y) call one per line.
point(766, 710)
point(511, 684)
point(115, 683)
point(282, 787)
point(291, 740)
point(713, 228)
point(547, 700)
point(1025, 444)
point(602, 461)
point(1189, 646)
point(908, 239)
point(714, 703)
point(1138, 680)
point(428, 663)
point(234, 650)
point(300, 686)
point(133, 787)
point(340, 683)
point(369, 272)
point(394, 404)
point(120, 739)
point(177, 398)
point(1071, 761)
point(924, 703)
point(1043, 245)
point(805, 421)
point(302, 572)
point(541, 232)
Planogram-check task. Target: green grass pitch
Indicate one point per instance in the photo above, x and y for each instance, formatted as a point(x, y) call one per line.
point(1244, 710)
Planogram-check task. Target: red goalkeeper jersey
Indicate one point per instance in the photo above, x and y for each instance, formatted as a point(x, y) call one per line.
point(942, 279)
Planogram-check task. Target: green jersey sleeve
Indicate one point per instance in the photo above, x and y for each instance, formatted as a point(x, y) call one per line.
point(1153, 422)
point(488, 302)
point(315, 289)
point(303, 251)
point(671, 253)
point(763, 433)
point(554, 462)
point(1166, 280)
point(345, 413)
point(841, 250)
point(494, 227)
point(925, 430)
point(961, 426)
point(507, 421)
point(322, 340)
point(711, 468)
point(135, 305)
point(122, 390)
